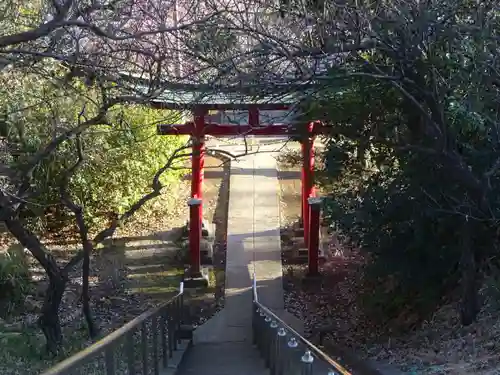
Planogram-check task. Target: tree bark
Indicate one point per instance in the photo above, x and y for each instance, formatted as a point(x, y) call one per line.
point(87, 312)
point(49, 321)
point(84, 236)
point(469, 305)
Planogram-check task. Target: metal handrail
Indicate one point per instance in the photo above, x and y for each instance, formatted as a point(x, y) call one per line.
point(168, 316)
point(281, 345)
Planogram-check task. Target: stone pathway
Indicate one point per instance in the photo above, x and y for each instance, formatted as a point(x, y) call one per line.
point(223, 345)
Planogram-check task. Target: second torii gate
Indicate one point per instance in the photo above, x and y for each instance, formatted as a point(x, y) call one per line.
point(200, 127)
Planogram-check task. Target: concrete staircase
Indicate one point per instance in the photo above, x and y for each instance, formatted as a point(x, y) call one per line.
point(231, 358)
point(223, 345)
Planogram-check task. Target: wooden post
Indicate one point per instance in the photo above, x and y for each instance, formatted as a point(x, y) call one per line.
point(313, 246)
point(253, 116)
point(253, 121)
point(195, 236)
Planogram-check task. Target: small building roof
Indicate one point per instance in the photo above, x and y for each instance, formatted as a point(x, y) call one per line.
point(188, 96)
point(182, 99)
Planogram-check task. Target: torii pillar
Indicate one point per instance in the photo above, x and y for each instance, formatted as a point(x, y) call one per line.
point(198, 157)
point(196, 202)
point(307, 177)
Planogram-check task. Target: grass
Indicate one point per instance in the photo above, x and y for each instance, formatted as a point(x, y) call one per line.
point(22, 350)
point(171, 273)
point(160, 285)
point(212, 277)
point(156, 290)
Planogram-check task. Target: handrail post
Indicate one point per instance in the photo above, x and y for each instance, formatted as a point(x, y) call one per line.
point(255, 313)
point(273, 335)
point(129, 352)
point(164, 339)
point(292, 348)
point(280, 344)
point(284, 350)
point(154, 332)
point(178, 317)
point(109, 358)
point(307, 360)
point(267, 343)
point(144, 348)
point(261, 333)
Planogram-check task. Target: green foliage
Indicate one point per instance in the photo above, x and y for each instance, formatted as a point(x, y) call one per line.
point(122, 161)
point(379, 199)
point(20, 15)
point(399, 198)
point(14, 279)
point(121, 156)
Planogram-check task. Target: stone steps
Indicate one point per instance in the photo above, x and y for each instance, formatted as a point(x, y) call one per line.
point(231, 358)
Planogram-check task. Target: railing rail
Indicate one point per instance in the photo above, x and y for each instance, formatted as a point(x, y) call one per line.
point(155, 332)
point(284, 350)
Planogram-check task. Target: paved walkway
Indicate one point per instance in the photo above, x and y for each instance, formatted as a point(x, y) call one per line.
point(223, 344)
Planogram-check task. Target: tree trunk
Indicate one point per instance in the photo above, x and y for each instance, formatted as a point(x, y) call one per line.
point(49, 321)
point(469, 305)
point(87, 312)
point(87, 251)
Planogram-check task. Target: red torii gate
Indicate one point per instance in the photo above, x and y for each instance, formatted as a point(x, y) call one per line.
point(199, 128)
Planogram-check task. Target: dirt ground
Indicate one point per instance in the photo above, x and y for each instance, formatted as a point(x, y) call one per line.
point(289, 176)
point(136, 270)
point(290, 194)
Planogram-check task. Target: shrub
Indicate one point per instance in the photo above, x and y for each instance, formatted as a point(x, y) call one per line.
point(14, 279)
point(399, 206)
